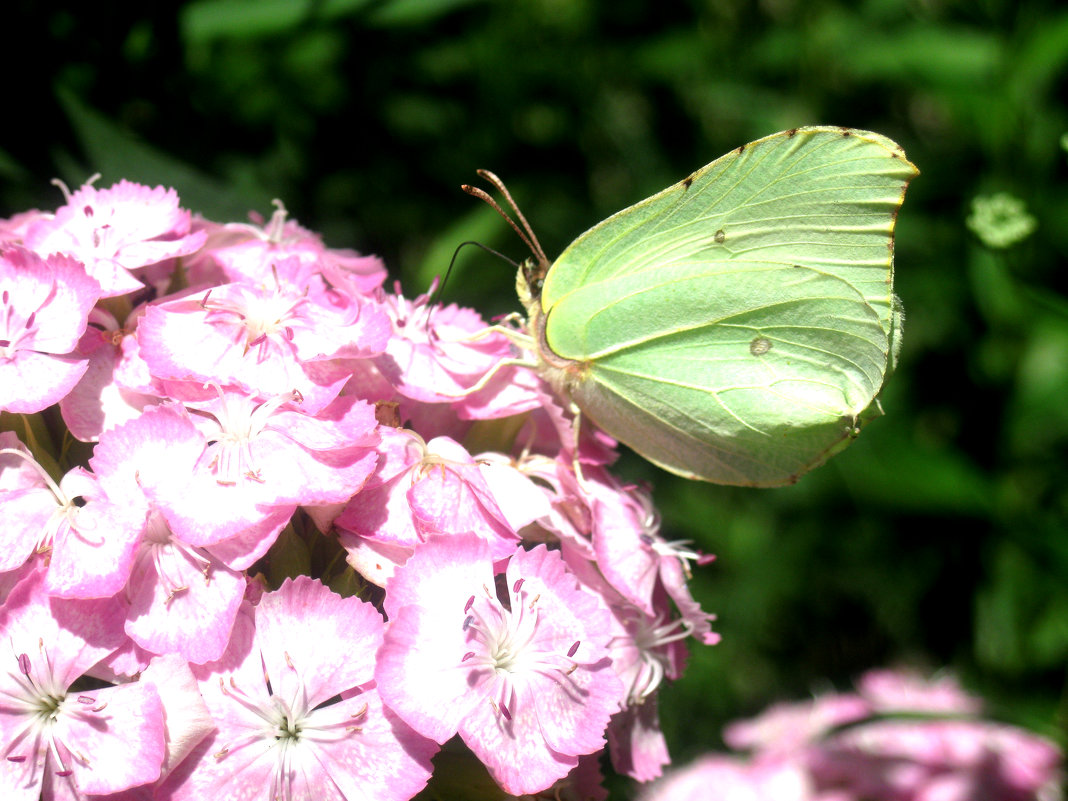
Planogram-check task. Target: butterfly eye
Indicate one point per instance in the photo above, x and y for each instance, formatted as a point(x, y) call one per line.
point(533, 275)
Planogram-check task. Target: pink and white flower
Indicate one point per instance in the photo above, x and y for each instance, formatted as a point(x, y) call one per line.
point(88, 538)
point(522, 675)
point(44, 308)
point(249, 253)
point(117, 231)
point(420, 489)
point(438, 354)
point(55, 739)
point(264, 340)
point(279, 733)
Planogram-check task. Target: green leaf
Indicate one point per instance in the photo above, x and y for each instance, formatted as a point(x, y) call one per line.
point(414, 12)
point(208, 20)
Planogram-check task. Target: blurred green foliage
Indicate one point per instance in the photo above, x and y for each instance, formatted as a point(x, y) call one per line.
point(941, 536)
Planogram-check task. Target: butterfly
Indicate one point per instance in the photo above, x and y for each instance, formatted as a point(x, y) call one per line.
point(737, 326)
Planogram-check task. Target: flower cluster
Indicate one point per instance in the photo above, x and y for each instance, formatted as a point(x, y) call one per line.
point(900, 737)
point(275, 568)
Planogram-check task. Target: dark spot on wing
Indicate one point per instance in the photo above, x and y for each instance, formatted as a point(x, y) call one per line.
point(759, 346)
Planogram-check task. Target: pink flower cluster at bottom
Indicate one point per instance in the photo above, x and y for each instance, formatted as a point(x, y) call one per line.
point(316, 530)
point(898, 738)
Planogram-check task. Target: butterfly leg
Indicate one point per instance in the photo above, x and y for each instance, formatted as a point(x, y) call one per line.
point(576, 431)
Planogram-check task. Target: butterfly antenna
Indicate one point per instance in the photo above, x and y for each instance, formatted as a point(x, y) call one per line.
point(439, 291)
point(499, 184)
point(526, 233)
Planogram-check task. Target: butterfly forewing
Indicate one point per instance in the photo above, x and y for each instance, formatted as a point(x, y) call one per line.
point(824, 198)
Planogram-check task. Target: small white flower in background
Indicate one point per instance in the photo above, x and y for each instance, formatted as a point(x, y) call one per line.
point(1000, 220)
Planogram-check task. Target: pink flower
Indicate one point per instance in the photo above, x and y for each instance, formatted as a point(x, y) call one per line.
point(183, 599)
point(184, 593)
point(788, 727)
point(439, 353)
point(636, 743)
point(185, 713)
point(848, 751)
point(264, 340)
point(723, 778)
point(93, 545)
point(905, 690)
point(13, 229)
point(67, 742)
point(523, 677)
point(279, 734)
point(257, 387)
point(420, 489)
point(44, 307)
point(240, 467)
point(248, 253)
point(646, 649)
point(90, 540)
point(98, 401)
point(114, 231)
point(626, 538)
point(938, 760)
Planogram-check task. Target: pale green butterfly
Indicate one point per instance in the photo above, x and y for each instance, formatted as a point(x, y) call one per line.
point(736, 326)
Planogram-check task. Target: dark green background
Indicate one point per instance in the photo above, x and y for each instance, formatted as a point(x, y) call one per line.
point(940, 537)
